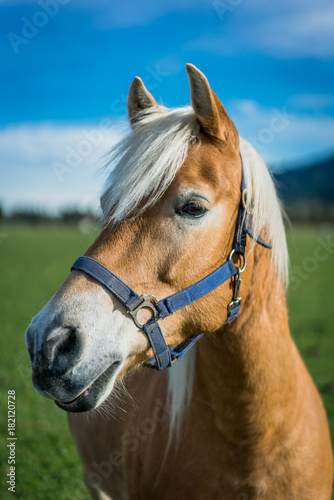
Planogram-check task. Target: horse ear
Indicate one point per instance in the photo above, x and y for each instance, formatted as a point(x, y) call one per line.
point(139, 99)
point(210, 112)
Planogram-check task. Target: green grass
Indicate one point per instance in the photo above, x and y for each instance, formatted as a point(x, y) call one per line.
point(311, 309)
point(34, 262)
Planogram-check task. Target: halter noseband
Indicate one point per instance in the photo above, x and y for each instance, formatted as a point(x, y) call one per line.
point(163, 356)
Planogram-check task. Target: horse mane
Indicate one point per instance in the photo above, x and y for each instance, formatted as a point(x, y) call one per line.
point(142, 166)
point(144, 163)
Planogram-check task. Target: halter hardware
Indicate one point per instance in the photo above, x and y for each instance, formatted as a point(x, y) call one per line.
point(243, 267)
point(164, 356)
point(236, 301)
point(148, 302)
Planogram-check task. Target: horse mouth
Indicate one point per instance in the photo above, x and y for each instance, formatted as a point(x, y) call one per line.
point(90, 397)
point(75, 400)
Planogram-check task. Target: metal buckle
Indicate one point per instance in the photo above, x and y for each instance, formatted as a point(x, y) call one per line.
point(149, 302)
point(236, 301)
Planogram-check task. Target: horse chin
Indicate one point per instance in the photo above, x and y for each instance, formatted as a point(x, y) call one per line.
point(93, 395)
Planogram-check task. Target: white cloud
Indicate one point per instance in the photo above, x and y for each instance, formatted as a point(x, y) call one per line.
point(283, 135)
point(51, 165)
point(131, 13)
point(125, 14)
point(304, 34)
point(285, 29)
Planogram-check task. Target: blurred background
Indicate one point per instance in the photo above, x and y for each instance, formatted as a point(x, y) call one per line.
point(66, 66)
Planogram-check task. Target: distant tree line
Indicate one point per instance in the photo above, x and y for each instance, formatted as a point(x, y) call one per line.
point(308, 211)
point(308, 192)
point(70, 216)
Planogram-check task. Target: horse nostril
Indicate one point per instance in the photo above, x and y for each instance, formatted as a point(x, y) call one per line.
point(63, 348)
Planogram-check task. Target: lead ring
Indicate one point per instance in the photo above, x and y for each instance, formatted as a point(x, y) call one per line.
point(241, 255)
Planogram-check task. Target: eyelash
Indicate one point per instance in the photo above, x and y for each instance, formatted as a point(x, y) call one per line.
point(191, 206)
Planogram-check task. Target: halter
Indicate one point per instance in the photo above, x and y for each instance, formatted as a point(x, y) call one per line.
point(163, 356)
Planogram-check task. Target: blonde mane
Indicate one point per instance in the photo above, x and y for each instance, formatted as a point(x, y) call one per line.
point(144, 164)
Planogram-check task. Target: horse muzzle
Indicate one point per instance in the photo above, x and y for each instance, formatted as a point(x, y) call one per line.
point(60, 371)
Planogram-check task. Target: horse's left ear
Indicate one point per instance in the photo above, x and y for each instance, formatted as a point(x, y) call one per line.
point(210, 112)
point(139, 99)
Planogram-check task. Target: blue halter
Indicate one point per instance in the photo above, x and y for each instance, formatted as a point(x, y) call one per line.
point(163, 356)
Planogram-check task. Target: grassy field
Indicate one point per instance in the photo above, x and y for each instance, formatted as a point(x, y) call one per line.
point(35, 261)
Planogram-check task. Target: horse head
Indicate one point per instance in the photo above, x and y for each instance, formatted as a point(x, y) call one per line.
point(170, 211)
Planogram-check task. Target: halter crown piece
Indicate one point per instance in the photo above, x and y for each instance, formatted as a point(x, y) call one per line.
point(163, 356)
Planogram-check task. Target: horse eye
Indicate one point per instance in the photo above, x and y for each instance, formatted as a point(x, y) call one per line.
point(192, 208)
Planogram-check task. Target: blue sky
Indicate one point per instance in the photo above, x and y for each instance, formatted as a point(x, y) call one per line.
point(66, 66)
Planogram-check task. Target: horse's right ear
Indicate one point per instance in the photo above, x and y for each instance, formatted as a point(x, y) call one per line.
point(139, 99)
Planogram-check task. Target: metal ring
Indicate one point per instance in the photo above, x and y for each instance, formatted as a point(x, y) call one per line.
point(241, 269)
point(149, 302)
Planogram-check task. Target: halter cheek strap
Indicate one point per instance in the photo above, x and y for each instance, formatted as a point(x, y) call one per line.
point(163, 356)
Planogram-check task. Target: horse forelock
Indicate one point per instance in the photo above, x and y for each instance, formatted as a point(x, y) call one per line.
point(144, 163)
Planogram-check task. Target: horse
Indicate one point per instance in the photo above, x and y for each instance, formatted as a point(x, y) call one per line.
point(188, 273)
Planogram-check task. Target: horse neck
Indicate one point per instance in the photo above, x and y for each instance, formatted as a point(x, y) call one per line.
point(245, 372)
